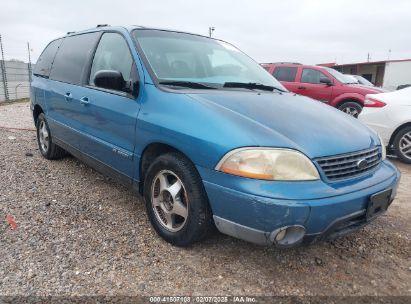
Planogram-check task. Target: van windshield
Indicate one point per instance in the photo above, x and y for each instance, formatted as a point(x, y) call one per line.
point(180, 57)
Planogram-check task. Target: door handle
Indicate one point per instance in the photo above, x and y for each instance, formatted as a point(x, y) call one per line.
point(84, 100)
point(301, 88)
point(68, 96)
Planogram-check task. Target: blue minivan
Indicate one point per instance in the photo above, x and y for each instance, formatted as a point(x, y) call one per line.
point(208, 137)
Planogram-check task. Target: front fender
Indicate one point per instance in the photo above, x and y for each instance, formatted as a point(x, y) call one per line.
point(347, 96)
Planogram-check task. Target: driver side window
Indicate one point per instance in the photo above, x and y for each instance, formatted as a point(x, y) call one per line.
point(112, 54)
point(312, 76)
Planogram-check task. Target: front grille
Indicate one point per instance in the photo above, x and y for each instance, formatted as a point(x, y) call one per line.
point(346, 165)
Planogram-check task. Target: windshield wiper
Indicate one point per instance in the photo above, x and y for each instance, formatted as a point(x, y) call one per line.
point(251, 86)
point(186, 84)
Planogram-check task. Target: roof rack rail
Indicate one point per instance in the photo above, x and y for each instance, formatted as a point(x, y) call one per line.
point(102, 25)
point(297, 63)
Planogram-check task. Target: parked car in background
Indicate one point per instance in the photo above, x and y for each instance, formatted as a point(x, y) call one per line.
point(403, 86)
point(207, 137)
point(390, 115)
point(324, 84)
point(361, 80)
point(354, 80)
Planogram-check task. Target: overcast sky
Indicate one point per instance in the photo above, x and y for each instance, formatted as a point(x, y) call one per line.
point(269, 31)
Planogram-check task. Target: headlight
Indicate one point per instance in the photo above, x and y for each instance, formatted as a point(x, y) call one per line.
point(383, 149)
point(269, 164)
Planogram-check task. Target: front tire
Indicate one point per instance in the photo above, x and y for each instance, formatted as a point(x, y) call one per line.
point(47, 148)
point(176, 201)
point(351, 108)
point(402, 144)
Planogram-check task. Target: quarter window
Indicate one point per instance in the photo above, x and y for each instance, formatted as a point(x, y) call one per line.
point(312, 76)
point(72, 58)
point(285, 73)
point(112, 54)
point(43, 65)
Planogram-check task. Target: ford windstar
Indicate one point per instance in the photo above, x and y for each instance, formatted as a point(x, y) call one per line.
point(208, 137)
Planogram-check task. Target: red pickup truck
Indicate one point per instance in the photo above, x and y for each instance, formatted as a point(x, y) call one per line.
point(324, 84)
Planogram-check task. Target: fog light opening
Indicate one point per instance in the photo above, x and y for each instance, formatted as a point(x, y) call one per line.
point(288, 236)
point(280, 235)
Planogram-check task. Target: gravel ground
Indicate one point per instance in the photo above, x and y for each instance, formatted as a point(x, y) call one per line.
point(79, 233)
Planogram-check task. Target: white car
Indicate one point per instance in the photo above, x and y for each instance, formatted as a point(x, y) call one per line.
point(361, 80)
point(389, 114)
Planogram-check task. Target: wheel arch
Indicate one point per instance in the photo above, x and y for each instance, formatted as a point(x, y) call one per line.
point(396, 131)
point(349, 99)
point(36, 112)
point(150, 153)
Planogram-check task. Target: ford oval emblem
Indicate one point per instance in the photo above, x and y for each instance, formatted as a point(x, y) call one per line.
point(362, 163)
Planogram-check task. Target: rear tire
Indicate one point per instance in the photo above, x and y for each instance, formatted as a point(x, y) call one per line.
point(47, 148)
point(176, 201)
point(351, 108)
point(402, 144)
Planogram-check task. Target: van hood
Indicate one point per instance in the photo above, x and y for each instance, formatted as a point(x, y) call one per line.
point(290, 121)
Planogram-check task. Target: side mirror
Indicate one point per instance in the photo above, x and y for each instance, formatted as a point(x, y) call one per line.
point(326, 81)
point(109, 79)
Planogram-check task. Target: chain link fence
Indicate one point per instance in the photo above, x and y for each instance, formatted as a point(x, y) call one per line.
point(14, 80)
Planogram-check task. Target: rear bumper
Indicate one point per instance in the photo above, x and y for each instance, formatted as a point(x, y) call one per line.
point(376, 119)
point(258, 219)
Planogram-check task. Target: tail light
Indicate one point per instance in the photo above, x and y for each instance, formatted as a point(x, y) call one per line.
point(373, 103)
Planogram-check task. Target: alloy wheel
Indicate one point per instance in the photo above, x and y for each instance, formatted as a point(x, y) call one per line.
point(351, 111)
point(169, 200)
point(405, 145)
point(44, 137)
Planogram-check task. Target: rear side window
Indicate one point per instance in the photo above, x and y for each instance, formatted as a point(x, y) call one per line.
point(43, 65)
point(312, 76)
point(72, 58)
point(112, 54)
point(285, 73)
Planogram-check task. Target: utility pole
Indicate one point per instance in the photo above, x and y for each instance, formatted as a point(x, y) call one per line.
point(211, 29)
point(29, 64)
point(368, 57)
point(3, 72)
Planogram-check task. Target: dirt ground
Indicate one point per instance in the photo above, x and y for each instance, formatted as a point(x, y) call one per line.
point(79, 233)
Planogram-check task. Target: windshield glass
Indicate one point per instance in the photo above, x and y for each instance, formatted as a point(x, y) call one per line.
point(176, 56)
point(354, 79)
point(341, 77)
point(363, 81)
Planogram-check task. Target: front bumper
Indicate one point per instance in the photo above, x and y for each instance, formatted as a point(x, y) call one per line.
point(336, 211)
